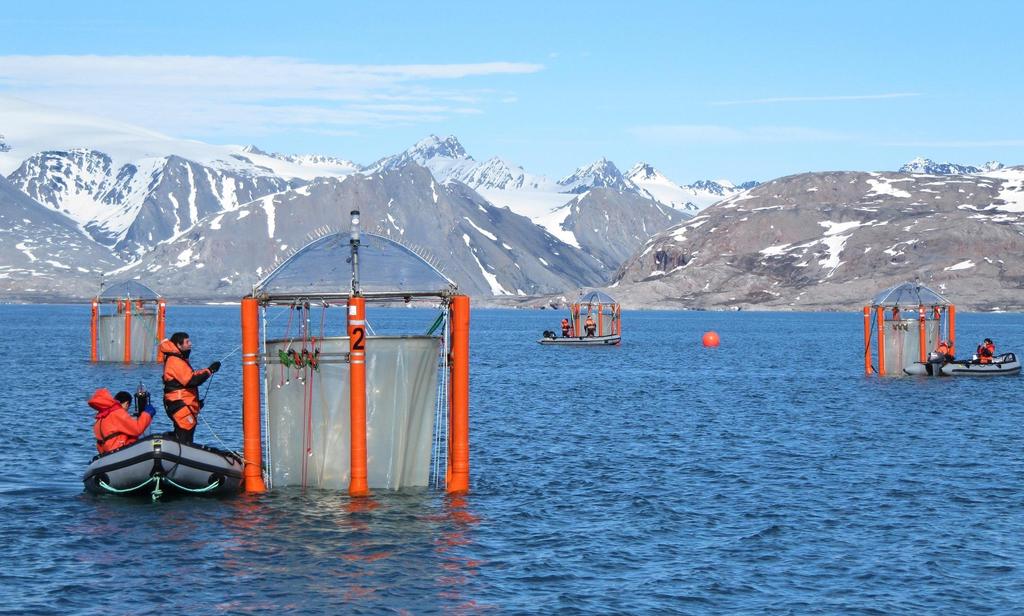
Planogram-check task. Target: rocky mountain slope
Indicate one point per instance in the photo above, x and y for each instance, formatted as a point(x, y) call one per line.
point(485, 249)
point(133, 206)
point(833, 240)
point(43, 254)
point(610, 224)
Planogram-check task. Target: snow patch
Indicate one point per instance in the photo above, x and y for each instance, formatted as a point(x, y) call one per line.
point(884, 186)
point(184, 258)
point(959, 266)
point(486, 234)
point(492, 280)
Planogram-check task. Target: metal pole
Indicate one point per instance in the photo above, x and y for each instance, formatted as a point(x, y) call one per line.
point(354, 243)
point(94, 328)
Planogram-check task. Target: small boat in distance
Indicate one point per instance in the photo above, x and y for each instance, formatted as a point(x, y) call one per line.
point(155, 465)
point(594, 320)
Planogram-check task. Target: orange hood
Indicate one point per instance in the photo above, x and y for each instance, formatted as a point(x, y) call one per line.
point(169, 348)
point(104, 403)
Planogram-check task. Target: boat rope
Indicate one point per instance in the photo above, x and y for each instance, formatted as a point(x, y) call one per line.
point(437, 323)
point(441, 405)
point(209, 488)
point(264, 410)
point(111, 488)
point(224, 445)
point(140, 311)
point(871, 336)
point(157, 492)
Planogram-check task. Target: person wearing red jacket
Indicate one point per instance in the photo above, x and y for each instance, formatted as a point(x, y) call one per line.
point(181, 385)
point(114, 427)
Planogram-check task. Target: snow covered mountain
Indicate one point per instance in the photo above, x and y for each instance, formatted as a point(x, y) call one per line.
point(445, 158)
point(43, 254)
point(498, 174)
point(690, 198)
point(930, 167)
point(610, 225)
point(128, 187)
point(144, 195)
point(555, 206)
point(599, 174)
point(133, 206)
point(485, 249)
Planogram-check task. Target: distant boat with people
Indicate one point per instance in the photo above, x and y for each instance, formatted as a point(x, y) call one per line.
point(594, 320)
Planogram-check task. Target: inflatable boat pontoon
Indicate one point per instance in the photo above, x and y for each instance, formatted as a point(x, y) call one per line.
point(1002, 365)
point(156, 465)
point(581, 341)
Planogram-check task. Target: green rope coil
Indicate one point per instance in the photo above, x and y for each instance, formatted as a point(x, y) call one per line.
point(212, 486)
point(111, 488)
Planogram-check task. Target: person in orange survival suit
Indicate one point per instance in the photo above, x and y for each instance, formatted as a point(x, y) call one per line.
point(114, 427)
point(565, 328)
point(181, 385)
point(590, 326)
point(945, 350)
point(986, 351)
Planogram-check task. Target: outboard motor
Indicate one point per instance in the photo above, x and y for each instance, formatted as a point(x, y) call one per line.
point(549, 334)
point(934, 357)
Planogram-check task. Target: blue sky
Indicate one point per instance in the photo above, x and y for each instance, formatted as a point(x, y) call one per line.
point(738, 90)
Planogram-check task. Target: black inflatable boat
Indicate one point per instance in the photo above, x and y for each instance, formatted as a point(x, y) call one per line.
point(158, 465)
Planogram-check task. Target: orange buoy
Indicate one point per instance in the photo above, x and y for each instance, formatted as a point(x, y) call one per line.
point(710, 339)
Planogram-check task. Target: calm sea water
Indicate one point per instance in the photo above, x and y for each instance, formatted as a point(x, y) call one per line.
point(768, 475)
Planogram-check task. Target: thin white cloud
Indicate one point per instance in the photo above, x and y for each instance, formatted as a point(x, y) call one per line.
point(205, 95)
point(714, 134)
point(983, 143)
point(814, 99)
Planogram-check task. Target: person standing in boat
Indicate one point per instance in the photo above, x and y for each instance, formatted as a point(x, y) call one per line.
point(565, 328)
point(181, 385)
point(115, 427)
point(986, 351)
point(590, 326)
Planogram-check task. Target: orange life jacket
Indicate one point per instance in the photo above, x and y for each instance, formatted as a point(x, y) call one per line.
point(181, 386)
point(590, 323)
point(114, 427)
point(986, 352)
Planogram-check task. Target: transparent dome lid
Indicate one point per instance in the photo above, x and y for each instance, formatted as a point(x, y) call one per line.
point(324, 267)
point(594, 298)
point(129, 289)
point(909, 294)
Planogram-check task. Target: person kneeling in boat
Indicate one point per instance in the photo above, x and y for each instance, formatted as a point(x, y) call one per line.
point(181, 385)
point(986, 351)
point(590, 326)
point(114, 427)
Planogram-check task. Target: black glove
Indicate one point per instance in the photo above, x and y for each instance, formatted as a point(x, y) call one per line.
point(214, 367)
